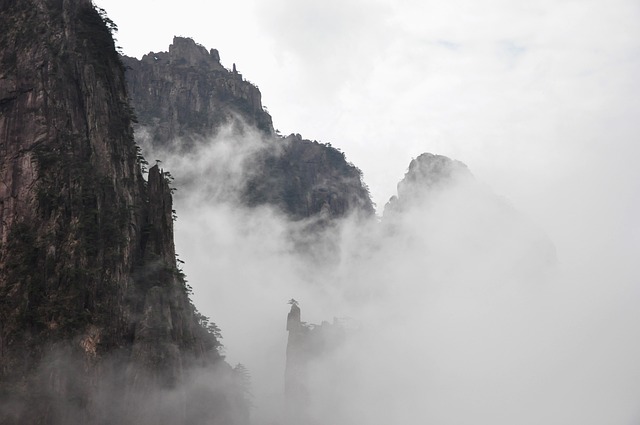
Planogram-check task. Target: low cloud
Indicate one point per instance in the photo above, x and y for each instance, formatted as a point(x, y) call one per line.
point(465, 316)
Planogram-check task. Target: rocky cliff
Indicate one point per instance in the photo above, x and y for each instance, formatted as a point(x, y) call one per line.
point(184, 96)
point(95, 323)
point(186, 93)
point(305, 178)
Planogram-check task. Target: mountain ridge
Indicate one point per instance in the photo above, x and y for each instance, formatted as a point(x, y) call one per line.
point(184, 96)
point(185, 92)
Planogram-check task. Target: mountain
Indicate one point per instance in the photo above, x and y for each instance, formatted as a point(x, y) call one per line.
point(465, 221)
point(426, 173)
point(96, 326)
point(186, 93)
point(184, 97)
point(306, 179)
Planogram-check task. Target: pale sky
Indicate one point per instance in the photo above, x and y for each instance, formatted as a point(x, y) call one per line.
point(541, 100)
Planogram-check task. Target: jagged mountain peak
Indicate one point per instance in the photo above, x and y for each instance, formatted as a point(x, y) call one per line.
point(185, 94)
point(184, 98)
point(430, 170)
point(185, 51)
point(426, 173)
point(441, 194)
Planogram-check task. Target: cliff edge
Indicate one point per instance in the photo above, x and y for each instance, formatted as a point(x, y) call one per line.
point(95, 320)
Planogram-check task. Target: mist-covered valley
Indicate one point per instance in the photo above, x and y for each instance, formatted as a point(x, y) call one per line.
point(466, 310)
point(459, 309)
point(167, 256)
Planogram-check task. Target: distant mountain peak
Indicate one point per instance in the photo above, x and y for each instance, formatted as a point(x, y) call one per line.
point(184, 97)
point(186, 52)
point(185, 94)
point(431, 169)
point(426, 173)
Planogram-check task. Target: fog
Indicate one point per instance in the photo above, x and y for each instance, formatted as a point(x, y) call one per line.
point(464, 312)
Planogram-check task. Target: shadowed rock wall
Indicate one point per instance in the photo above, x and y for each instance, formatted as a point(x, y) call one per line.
point(95, 321)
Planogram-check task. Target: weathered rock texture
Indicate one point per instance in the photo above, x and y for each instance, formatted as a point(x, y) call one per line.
point(95, 321)
point(182, 97)
point(305, 178)
point(186, 93)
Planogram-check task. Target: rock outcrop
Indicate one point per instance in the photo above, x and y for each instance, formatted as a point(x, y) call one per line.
point(305, 178)
point(96, 326)
point(306, 344)
point(427, 174)
point(185, 93)
point(184, 96)
point(440, 194)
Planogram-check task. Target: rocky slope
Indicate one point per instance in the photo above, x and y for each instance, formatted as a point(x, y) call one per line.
point(305, 178)
point(95, 323)
point(186, 93)
point(184, 96)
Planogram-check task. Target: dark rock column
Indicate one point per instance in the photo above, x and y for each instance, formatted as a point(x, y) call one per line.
point(295, 381)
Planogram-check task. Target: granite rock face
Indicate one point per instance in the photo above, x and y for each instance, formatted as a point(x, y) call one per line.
point(186, 93)
point(184, 96)
point(95, 320)
point(304, 179)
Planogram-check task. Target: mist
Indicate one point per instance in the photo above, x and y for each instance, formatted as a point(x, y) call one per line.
point(466, 310)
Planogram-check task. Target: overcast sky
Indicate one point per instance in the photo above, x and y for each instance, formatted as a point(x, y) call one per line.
point(541, 99)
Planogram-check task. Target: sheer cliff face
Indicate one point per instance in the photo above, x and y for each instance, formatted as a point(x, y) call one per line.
point(71, 190)
point(305, 179)
point(184, 96)
point(92, 307)
point(186, 93)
